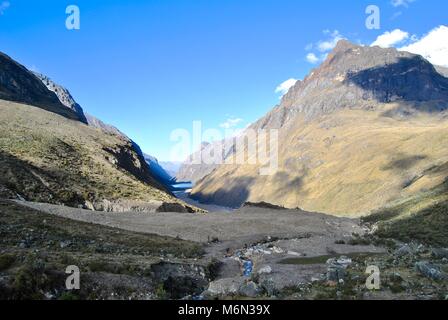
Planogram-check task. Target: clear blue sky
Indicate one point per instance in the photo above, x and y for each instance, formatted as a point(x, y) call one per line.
point(149, 67)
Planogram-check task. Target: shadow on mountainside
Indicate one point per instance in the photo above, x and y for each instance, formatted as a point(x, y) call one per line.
point(404, 162)
point(19, 177)
point(237, 190)
point(285, 182)
point(409, 79)
point(427, 224)
point(233, 196)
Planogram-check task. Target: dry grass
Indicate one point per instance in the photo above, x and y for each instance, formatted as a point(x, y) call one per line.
point(348, 163)
point(45, 157)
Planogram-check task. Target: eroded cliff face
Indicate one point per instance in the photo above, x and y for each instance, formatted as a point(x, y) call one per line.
point(353, 136)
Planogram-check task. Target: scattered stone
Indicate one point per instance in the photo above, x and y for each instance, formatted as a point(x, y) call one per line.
point(224, 287)
point(265, 270)
point(269, 287)
point(65, 244)
point(277, 250)
point(250, 289)
point(429, 270)
point(439, 253)
point(403, 251)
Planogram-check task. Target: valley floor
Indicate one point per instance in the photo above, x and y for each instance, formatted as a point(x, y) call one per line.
point(254, 252)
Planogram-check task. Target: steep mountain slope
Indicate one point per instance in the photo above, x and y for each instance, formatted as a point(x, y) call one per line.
point(362, 130)
point(63, 95)
point(48, 153)
point(171, 167)
point(20, 85)
point(158, 171)
point(155, 170)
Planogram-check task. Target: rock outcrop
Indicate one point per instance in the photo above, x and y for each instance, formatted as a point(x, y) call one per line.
point(18, 84)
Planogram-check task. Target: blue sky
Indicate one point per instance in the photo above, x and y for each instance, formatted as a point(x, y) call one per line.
point(149, 67)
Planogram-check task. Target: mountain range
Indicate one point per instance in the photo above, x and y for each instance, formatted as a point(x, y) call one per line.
point(366, 128)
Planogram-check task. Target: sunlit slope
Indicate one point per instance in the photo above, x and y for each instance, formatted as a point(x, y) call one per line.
point(347, 163)
point(49, 158)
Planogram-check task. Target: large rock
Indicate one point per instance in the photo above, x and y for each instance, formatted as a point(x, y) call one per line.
point(224, 287)
point(250, 290)
point(439, 253)
point(403, 251)
point(429, 270)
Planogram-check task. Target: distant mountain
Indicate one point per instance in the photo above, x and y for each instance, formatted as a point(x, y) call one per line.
point(50, 151)
point(194, 170)
point(171, 167)
point(159, 172)
point(365, 128)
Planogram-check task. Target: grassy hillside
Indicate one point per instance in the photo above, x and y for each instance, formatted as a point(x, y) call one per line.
point(36, 249)
point(422, 217)
point(46, 157)
point(347, 163)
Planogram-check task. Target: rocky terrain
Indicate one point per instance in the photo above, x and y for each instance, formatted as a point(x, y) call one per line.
point(63, 95)
point(273, 254)
point(366, 128)
point(36, 248)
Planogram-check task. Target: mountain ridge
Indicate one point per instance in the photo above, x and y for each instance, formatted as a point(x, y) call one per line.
point(340, 130)
point(50, 151)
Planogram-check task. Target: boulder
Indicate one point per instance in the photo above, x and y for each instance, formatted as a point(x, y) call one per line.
point(429, 270)
point(224, 287)
point(265, 270)
point(439, 253)
point(403, 251)
point(250, 290)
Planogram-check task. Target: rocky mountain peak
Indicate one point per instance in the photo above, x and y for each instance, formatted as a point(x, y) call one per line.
point(344, 45)
point(363, 77)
